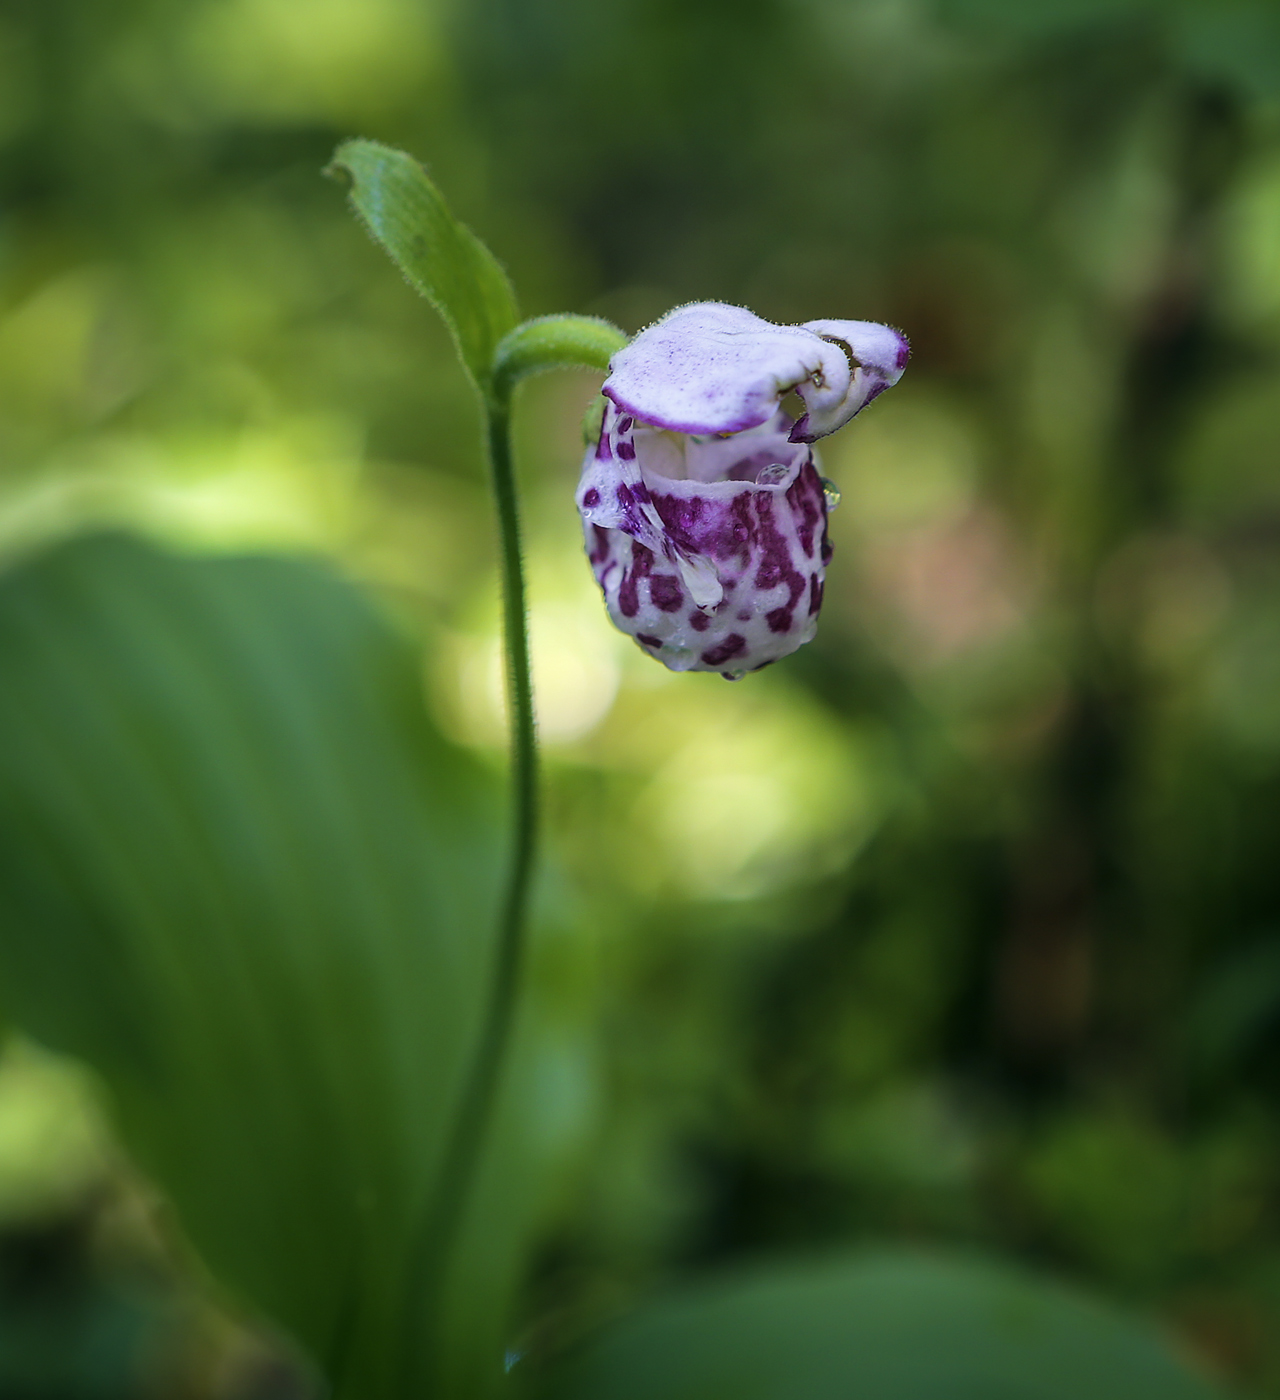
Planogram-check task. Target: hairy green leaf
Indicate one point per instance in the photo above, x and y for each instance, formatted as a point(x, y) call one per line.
point(442, 258)
point(891, 1326)
point(243, 876)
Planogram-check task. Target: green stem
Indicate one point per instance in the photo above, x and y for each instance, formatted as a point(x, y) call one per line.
point(448, 1207)
point(551, 342)
point(524, 740)
point(509, 954)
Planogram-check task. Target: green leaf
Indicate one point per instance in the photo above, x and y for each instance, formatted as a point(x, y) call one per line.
point(442, 258)
point(242, 875)
point(891, 1326)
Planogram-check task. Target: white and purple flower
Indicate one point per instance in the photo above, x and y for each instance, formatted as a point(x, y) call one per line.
point(704, 514)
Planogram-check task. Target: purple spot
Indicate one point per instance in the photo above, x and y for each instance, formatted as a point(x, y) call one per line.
point(628, 596)
point(640, 491)
point(779, 620)
point(904, 353)
point(648, 640)
point(803, 496)
point(718, 528)
point(699, 620)
point(815, 594)
point(627, 451)
point(744, 617)
point(625, 424)
point(666, 593)
point(591, 497)
point(706, 526)
point(684, 520)
point(732, 646)
point(772, 567)
point(775, 554)
point(601, 551)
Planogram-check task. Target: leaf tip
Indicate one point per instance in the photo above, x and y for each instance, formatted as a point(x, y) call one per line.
point(346, 158)
point(339, 171)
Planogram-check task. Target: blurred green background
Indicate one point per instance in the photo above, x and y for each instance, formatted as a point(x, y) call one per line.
point(962, 925)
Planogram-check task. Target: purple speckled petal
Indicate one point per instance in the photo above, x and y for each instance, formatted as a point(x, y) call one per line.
point(746, 513)
point(704, 515)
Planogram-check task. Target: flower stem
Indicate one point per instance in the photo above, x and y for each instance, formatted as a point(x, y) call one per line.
point(550, 342)
point(524, 742)
point(458, 1171)
point(513, 916)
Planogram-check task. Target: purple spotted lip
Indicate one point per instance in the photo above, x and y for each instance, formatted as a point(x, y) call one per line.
point(704, 514)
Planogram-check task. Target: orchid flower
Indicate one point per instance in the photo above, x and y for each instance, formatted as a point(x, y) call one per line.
point(704, 514)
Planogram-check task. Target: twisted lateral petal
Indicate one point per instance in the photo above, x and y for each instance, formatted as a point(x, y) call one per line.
point(713, 368)
point(878, 355)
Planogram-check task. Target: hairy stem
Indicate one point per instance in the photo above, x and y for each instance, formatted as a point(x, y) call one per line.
point(448, 1206)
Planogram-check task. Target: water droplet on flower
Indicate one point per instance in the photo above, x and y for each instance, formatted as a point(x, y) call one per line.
point(772, 475)
point(733, 675)
point(832, 493)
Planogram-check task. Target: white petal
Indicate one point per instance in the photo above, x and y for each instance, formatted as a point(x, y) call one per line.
point(701, 578)
point(712, 368)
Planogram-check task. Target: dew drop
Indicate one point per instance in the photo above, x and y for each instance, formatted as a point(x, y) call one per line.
point(831, 492)
point(733, 675)
point(772, 475)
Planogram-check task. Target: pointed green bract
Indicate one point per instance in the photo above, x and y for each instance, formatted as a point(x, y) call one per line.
point(441, 257)
point(891, 1326)
point(243, 876)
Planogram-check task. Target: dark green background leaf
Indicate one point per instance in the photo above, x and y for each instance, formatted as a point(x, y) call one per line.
point(442, 258)
point(242, 875)
point(891, 1326)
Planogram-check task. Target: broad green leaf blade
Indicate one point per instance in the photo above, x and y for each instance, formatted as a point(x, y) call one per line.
point(892, 1326)
point(442, 258)
point(242, 875)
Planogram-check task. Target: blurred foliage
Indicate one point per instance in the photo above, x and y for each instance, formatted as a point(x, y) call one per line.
point(962, 926)
point(896, 1326)
point(241, 880)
